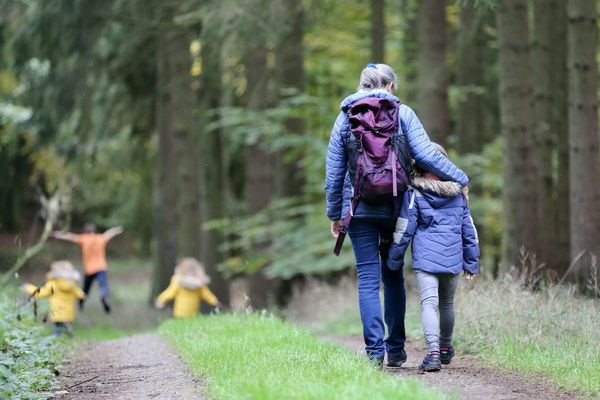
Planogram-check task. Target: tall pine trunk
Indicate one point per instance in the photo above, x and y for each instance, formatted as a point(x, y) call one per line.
point(432, 71)
point(259, 163)
point(545, 136)
point(470, 123)
point(166, 213)
point(212, 157)
point(189, 170)
point(562, 210)
point(583, 132)
point(518, 130)
point(289, 56)
point(377, 31)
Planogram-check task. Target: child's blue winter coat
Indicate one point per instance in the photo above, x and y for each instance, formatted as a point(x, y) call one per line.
point(338, 187)
point(436, 216)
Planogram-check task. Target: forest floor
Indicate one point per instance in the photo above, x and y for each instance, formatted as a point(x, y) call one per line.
point(464, 377)
point(142, 366)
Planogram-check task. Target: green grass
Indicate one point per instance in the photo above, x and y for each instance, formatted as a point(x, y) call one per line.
point(249, 356)
point(549, 333)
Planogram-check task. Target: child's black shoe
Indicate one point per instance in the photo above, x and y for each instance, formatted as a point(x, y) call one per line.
point(105, 305)
point(431, 363)
point(396, 360)
point(446, 354)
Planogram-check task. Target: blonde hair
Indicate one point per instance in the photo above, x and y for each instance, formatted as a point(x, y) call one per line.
point(377, 76)
point(191, 273)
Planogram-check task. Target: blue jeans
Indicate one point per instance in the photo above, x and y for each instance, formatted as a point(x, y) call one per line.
point(365, 236)
point(102, 282)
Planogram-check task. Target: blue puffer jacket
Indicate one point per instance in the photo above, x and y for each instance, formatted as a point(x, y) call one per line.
point(436, 216)
point(338, 187)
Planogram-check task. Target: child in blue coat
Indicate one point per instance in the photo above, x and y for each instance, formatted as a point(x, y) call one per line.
point(435, 216)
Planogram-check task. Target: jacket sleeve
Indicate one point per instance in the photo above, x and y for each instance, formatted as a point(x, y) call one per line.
point(470, 243)
point(406, 226)
point(208, 296)
point(44, 291)
point(78, 293)
point(169, 293)
point(335, 169)
point(425, 153)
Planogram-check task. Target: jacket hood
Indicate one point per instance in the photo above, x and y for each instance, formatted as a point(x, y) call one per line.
point(438, 193)
point(361, 94)
point(62, 284)
point(192, 282)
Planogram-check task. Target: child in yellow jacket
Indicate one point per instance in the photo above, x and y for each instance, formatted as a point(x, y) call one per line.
point(63, 290)
point(188, 287)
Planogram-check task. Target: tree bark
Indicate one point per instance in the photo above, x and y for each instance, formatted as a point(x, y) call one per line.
point(259, 163)
point(562, 209)
point(432, 71)
point(545, 135)
point(377, 31)
point(470, 122)
point(408, 84)
point(583, 132)
point(166, 234)
point(289, 55)
point(189, 170)
point(518, 129)
point(214, 172)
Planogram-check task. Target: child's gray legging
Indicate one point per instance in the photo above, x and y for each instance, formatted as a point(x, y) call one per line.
point(437, 291)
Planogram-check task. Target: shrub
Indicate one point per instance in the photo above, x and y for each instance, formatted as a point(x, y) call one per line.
point(28, 355)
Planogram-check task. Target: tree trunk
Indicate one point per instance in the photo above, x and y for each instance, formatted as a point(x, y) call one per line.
point(583, 132)
point(166, 251)
point(562, 209)
point(545, 135)
point(212, 156)
point(518, 129)
point(259, 163)
point(289, 55)
point(377, 31)
point(432, 71)
point(189, 174)
point(408, 80)
point(470, 123)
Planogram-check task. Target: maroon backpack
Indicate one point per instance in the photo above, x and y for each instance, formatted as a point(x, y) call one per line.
point(378, 156)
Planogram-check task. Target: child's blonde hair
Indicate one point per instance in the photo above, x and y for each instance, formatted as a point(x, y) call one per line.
point(191, 273)
point(63, 269)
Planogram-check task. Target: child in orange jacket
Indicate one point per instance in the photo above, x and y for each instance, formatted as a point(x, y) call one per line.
point(63, 291)
point(188, 287)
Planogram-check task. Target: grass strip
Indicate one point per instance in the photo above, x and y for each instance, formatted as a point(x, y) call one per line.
point(251, 356)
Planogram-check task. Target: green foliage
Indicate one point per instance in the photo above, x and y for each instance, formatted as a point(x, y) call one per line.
point(289, 237)
point(28, 356)
point(279, 361)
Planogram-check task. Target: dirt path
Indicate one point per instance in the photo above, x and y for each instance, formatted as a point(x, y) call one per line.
point(134, 367)
point(465, 379)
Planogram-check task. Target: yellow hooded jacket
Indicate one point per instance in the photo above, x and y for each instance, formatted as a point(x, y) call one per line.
point(62, 293)
point(187, 301)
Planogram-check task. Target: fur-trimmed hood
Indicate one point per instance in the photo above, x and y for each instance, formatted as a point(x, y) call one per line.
point(443, 188)
point(437, 193)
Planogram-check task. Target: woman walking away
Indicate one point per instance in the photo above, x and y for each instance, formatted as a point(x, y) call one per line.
point(368, 168)
point(188, 287)
point(436, 216)
point(62, 290)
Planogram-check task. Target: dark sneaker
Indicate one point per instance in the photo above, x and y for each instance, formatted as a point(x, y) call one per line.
point(431, 363)
point(106, 306)
point(396, 360)
point(446, 354)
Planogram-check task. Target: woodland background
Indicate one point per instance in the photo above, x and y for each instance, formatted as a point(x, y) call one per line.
point(202, 126)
